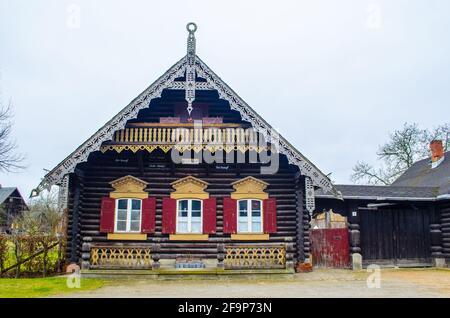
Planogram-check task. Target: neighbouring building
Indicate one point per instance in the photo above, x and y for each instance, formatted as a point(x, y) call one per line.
point(11, 205)
point(404, 224)
point(188, 176)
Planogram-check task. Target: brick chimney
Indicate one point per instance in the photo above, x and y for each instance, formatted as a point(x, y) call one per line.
point(437, 152)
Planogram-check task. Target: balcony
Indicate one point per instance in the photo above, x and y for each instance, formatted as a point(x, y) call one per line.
point(186, 137)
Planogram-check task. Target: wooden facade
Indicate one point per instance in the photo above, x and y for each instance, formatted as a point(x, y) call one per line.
point(282, 243)
point(187, 176)
point(441, 232)
point(12, 205)
point(394, 233)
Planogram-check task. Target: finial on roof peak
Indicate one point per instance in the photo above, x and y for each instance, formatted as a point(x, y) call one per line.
point(191, 27)
point(190, 69)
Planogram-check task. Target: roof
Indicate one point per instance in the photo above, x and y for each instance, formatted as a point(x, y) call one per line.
point(420, 174)
point(371, 192)
point(5, 193)
point(189, 67)
point(420, 182)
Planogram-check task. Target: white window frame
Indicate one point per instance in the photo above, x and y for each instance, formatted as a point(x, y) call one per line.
point(189, 217)
point(116, 213)
point(249, 216)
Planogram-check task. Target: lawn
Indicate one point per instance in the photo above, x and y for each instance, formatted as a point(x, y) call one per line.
point(43, 287)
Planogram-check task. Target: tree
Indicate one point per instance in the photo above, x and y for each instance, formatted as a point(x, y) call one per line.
point(44, 209)
point(9, 159)
point(405, 146)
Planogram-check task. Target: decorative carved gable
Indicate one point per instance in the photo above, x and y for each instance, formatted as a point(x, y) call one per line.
point(189, 188)
point(128, 187)
point(190, 66)
point(249, 188)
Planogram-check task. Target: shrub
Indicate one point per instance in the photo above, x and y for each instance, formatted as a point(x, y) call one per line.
point(4, 252)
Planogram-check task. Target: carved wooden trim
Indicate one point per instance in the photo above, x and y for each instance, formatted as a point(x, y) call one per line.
point(249, 188)
point(189, 188)
point(250, 237)
point(127, 236)
point(128, 187)
point(94, 143)
point(188, 237)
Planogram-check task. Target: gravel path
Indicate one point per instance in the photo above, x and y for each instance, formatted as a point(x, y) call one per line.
point(320, 283)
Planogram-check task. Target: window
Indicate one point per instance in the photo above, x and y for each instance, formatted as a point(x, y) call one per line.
point(249, 216)
point(189, 216)
point(128, 215)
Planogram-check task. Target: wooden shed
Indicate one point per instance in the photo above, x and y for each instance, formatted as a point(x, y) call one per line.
point(404, 224)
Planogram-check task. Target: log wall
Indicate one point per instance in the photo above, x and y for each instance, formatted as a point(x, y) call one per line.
point(156, 168)
point(445, 229)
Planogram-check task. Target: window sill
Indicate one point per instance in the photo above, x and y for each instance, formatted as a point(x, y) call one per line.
point(127, 236)
point(250, 237)
point(188, 237)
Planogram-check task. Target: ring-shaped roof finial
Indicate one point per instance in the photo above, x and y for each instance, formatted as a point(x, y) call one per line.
point(191, 27)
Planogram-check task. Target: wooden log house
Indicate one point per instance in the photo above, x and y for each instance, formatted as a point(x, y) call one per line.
point(182, 178)
point(404, 224)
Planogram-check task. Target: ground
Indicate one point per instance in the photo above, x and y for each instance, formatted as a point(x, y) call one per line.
point(320, 283)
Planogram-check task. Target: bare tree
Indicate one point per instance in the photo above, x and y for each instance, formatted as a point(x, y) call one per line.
point(44, 209)
point(9, 159)
point(405, 146)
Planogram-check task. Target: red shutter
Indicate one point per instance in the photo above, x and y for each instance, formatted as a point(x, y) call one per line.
point(270, 215)
point(107, 215)
point(148, 215)
point(209, 216)
point(229, 215)
point(169, 216)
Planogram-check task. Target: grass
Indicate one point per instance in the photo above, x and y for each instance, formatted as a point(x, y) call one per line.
point(43, 287)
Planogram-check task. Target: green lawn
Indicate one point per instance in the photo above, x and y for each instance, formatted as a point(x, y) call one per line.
point(43, 287)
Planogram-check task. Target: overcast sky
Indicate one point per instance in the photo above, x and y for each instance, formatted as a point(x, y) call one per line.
point(335, 77)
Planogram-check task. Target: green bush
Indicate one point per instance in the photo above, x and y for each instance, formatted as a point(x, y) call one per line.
point(20, 247)
point(4, 251)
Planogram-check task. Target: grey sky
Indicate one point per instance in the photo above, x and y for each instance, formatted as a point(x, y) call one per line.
point(334, 77)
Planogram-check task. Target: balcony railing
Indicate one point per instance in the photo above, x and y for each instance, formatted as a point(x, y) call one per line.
point(212, 137)
point(147, 256)
point(113, 257)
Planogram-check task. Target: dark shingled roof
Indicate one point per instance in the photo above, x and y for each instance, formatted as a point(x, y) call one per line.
point(371, 192)
point(420, 174)
point(5, 193)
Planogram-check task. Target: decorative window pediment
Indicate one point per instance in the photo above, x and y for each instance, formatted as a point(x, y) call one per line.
point(189, 188)
point(128, 187)
point(249, 188)
point(128, 213)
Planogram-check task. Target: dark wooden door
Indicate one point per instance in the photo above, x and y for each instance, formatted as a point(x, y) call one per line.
point(395, 236)
point(330, 248)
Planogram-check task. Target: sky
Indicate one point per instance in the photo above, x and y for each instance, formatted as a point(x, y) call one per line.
point(333, 77)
